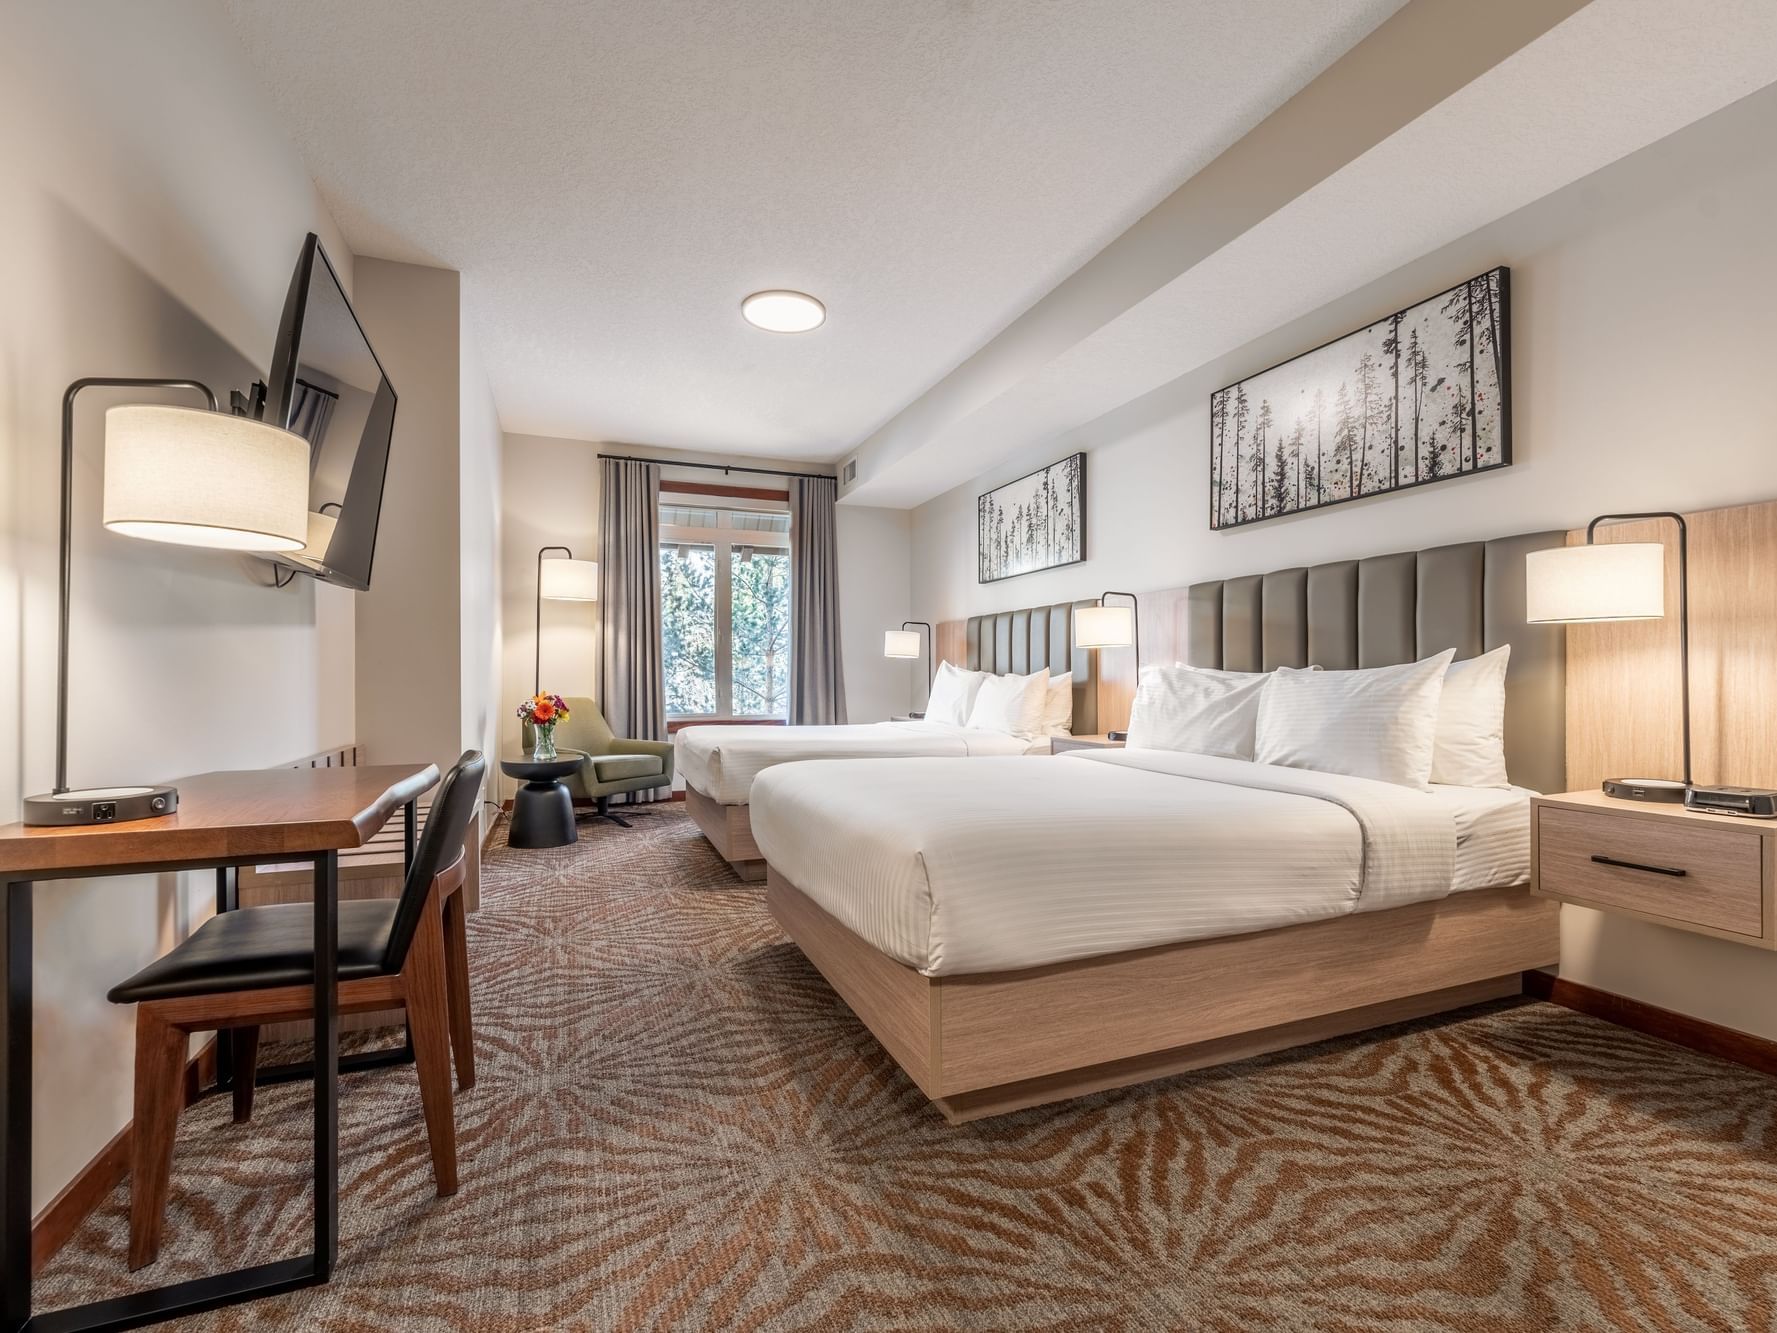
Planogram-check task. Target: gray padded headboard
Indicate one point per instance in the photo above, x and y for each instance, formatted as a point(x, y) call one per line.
point(1036, 637)
point(1399, 608)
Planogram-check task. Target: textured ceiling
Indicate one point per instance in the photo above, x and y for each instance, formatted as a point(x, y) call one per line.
point(611, 178)
point(1614, 77)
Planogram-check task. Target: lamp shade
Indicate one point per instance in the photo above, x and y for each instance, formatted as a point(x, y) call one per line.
point(201, 478)
point(569, 580)
point(1104, 627)
point(1605, 581)
point(320, 537)
point(900, 643)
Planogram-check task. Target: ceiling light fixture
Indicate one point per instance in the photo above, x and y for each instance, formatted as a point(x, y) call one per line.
point(783, 312)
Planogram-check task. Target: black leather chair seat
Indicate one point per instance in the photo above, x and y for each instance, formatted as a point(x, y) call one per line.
point(257, 948)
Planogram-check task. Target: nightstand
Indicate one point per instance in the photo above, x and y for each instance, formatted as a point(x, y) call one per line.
point(1711, 874)
point(1061, 744)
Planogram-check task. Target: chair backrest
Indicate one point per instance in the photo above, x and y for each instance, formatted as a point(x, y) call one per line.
point(459, 795)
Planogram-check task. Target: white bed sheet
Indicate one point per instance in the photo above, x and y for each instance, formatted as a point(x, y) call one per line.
point(995, 866)
point(721, 762)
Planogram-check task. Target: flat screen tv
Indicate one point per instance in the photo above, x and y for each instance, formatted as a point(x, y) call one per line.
point(328, 387)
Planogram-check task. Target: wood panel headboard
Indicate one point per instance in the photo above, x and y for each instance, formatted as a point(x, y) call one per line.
point(1028, 640)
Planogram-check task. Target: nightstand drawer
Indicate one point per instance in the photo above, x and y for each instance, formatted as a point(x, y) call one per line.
point(1706, 876)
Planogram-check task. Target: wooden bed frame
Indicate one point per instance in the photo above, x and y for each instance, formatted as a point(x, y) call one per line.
point(984, 1044)
point(988, 1043)
point(730, 831)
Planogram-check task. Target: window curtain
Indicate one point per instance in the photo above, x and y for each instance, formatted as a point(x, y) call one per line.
point(817, 679)
point(631, 677)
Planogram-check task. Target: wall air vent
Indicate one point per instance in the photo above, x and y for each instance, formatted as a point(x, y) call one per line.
point(849, 473)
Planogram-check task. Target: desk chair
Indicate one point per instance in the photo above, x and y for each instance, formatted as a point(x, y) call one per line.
point(256, 965)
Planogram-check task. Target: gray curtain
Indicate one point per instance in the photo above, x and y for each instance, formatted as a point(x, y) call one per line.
point(631, 679)
point(817, 679)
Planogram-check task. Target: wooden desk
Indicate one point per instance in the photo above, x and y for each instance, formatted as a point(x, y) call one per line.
point(224, 820)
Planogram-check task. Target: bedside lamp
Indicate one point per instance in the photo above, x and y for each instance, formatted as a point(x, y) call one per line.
point(564, 580)
point(188, 476)
point(1104, 626)
point(1577, 585)
point(904, 644)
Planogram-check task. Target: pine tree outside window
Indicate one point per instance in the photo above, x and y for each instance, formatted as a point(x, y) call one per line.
point(725, 608)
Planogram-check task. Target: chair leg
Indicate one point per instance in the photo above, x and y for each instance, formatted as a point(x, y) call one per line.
point(428, 1014)
point(243, 1047)
point(456, 959)
point(604, 812)
point(160, 1072)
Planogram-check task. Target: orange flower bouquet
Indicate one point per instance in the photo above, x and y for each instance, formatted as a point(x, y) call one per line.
point(543, 711)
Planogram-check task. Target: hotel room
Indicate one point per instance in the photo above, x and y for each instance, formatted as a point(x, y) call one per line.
point(944, 665)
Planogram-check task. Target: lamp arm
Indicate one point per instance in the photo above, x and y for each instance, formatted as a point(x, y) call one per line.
point(67, 544)
point(537, 684)
point(931, 648)
point(1684, 608)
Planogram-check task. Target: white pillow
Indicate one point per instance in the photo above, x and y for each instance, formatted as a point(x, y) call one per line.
point(1198, 711)
point(1471, 745)
point(1058, 712)
point(1381, 723)
point(1012, 704)
point(953, 694)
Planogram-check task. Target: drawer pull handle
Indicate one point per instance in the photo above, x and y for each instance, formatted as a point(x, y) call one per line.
point(1673, 871)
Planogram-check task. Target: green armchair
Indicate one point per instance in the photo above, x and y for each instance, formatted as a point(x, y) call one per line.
point(613, 764)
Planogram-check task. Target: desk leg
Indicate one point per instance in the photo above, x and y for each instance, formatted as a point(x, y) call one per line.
point(326, 1064)
point(15, 1107)
point(228, 898)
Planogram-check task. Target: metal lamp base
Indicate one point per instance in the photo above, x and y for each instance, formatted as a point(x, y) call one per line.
point(99, 805)
point(1659, 791)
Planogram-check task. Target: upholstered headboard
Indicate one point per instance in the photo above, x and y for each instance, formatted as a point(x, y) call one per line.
point(1034, 638)
point(1399, 608)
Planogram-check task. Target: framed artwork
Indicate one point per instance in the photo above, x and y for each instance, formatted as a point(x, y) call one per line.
point(1036, 522)
point(1421, 396)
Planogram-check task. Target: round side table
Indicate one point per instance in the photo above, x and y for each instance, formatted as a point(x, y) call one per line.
point(542, 809)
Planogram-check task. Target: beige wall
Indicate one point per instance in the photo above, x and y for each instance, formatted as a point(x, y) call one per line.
point(140, 234)
point(551, 498)
point(1643, 344)
point(479, 553)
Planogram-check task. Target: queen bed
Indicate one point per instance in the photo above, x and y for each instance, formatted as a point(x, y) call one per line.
point(1015, 933)
point(721, 763)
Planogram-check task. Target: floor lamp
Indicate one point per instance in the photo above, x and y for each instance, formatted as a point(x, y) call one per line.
point(904, 645)
point(564, 580)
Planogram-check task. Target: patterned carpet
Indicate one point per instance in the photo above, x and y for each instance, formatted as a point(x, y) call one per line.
point(679, 1127)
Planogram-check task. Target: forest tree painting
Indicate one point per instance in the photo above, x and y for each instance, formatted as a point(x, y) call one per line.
point(1422, 396)
point(1036, 522)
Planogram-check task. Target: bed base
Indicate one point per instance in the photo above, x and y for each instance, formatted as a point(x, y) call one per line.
point(730, 831)
point(988, 1043)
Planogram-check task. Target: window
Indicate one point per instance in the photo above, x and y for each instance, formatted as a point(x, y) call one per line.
point(725, 608)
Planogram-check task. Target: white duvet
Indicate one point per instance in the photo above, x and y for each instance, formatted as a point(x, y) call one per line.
point(721, 762)
point(999, 865)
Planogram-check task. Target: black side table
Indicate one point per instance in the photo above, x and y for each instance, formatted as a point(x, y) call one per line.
point(542, 809)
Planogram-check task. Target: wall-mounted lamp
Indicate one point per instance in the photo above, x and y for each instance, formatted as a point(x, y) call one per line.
point(1576, 585)
point(186, 476)
point(904, 645)
point(564, 580)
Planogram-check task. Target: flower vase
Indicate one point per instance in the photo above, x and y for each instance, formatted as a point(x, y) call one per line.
point(543, 741)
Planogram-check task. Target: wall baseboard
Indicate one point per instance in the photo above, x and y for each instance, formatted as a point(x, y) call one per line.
point(1696, 1034)
point(62, 1216)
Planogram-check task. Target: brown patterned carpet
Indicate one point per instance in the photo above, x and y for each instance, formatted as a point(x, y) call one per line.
point(678, 1126)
